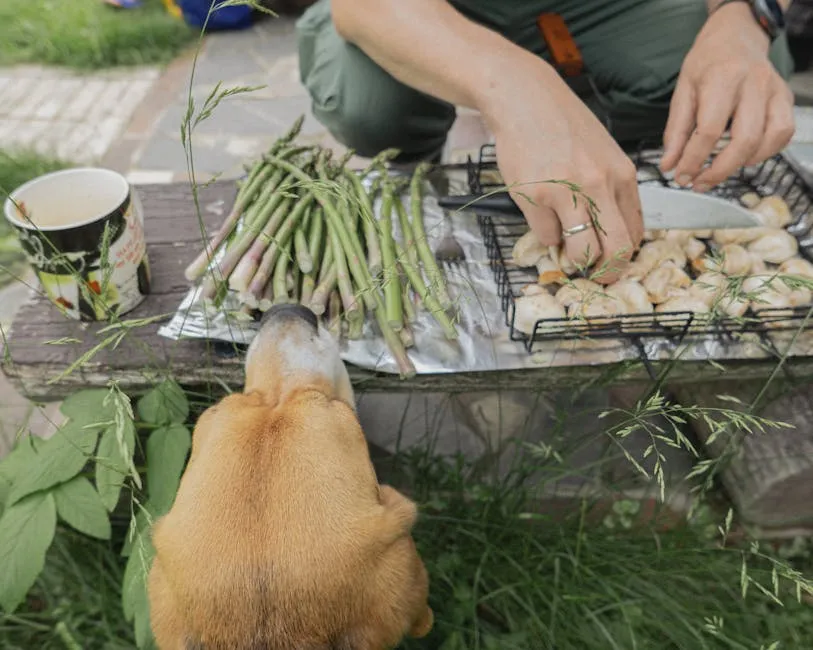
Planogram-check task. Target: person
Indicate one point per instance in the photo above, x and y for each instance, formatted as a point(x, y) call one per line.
point(388, 73)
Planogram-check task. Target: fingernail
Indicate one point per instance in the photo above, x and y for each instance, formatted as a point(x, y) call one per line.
point(701, 187)
point(684, 179)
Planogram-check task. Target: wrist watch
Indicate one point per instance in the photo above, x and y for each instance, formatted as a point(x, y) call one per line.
point(768, 13)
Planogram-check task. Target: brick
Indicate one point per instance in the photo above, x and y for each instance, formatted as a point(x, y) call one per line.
point(62, 94)
point(36, 95)
point(107, 102)
point(77, 109)
point(14, 94)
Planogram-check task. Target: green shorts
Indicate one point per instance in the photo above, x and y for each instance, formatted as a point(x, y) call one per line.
point(632, 48)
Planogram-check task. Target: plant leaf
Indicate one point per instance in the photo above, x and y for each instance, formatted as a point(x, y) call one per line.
point(57, 460)
point(20, 459)
point(80, 506)
point(167, 448)
point(88, 406)
point(26, 531)
point(112, 465)
point(164, 404)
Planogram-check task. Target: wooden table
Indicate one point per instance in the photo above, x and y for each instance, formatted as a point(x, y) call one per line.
point(43, 345)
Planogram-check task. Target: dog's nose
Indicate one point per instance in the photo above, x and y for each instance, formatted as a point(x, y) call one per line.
point(291, 310)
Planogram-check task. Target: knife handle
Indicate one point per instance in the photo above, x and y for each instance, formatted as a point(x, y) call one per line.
point(501, 203)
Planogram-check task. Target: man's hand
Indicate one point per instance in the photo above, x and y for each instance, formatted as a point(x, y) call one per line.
point(727, 74)
point(546, 137)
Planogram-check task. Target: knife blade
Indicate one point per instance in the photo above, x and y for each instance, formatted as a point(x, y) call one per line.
point(664, 208)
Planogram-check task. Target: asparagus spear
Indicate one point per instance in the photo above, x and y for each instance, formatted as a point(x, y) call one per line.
point(392, 285)
point(303, 257)
point(280, 276)
point(367, 222)
point(423, 291)
point(437, 284)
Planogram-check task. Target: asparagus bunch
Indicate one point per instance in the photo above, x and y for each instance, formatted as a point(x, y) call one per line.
point(303, 229)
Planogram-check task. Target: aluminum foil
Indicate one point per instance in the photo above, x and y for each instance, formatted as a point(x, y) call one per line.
point(484, 343)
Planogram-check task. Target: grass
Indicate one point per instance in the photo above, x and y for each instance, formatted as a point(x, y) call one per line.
point(17, 168)
point(89, 34)
point(500, 579)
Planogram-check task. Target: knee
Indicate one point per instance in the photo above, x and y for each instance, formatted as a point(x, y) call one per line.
point(361, 105)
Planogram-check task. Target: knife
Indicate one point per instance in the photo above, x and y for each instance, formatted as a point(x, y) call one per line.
point(664, 208)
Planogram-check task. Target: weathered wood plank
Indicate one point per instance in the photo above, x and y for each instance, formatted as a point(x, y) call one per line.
point(769, 475)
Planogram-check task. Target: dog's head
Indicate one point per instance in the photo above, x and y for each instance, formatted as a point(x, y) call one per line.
point(280, 537)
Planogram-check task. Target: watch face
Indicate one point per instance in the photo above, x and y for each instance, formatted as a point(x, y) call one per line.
point(770, 15)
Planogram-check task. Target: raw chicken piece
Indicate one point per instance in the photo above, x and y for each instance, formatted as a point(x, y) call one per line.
point(531, 308)
point(549, 271)
point(770, 290)
point(635, 271)
point(657, 252)
point(679, 237)
point(733, 306)
point(633, 295)
point(773, 212)
point(649, 235)
point(776, 246)
point(708, 286)
point(596, 308)
point(559, 256)
point(681, 301)
point(694, 248)
point(737, 235)
point(533, 290)
point(750, 200)
point(758, 265)
point(731, 259)
point(578, 290)
point(527, 250)
point(662, 283)
point(797, 266)
point(702, 234)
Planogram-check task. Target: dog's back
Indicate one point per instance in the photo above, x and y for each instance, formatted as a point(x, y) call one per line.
point(279, 538)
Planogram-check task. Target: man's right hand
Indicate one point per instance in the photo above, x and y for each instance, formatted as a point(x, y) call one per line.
point(543, 130)
point(547, 139)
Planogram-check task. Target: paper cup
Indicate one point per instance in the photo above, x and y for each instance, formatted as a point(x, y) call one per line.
point(83, 233)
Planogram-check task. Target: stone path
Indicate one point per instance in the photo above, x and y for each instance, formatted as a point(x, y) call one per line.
point(67, 115)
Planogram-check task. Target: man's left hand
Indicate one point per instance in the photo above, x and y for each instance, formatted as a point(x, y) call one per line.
point(727, 74)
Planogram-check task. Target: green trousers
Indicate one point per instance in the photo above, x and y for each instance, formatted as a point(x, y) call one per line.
point(633, 50)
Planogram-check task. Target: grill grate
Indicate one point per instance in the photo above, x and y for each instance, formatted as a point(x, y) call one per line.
point(775, 176)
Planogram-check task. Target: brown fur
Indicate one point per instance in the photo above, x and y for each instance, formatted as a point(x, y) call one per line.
point(280, 537)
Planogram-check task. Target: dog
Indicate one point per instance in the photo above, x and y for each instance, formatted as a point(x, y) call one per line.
point(280, 536)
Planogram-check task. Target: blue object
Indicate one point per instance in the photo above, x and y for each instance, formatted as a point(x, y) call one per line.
point(221, 18)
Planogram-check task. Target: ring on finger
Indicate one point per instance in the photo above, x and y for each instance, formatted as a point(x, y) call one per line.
point(575, 230)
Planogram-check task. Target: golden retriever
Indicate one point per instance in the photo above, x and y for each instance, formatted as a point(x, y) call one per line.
point(280, 537)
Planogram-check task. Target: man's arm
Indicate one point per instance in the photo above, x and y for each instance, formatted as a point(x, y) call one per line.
point(430, 46)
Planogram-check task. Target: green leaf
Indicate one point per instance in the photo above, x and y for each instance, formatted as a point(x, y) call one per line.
point(12, 466)
point(57, 460)
point(78, 503)
point(167, 448)
point(88, 406)
point(164, 404)
point(26, 531)
point(113, 462)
